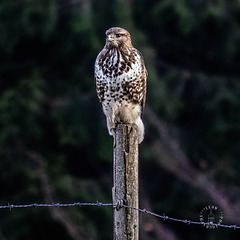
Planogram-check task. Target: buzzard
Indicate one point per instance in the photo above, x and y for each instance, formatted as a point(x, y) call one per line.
point(120, 76)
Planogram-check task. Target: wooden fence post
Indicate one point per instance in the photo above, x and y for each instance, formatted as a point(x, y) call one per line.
point(125, 182)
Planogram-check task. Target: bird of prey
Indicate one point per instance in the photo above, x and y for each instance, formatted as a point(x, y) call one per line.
point(121, 76)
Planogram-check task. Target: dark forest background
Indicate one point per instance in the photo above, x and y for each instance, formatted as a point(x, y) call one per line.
point(54, 144)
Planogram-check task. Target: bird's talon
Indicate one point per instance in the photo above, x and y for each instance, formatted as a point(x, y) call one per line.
point(113, 126)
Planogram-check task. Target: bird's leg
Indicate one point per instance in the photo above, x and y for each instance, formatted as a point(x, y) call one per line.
point(111, 129)
point(109, 126)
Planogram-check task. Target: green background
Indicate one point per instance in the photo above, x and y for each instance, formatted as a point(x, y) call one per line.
point(54, 144)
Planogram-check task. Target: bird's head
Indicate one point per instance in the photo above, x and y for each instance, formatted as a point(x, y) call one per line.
point(118, 37)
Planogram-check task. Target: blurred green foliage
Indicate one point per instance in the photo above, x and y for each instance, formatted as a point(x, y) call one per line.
point(54, 144)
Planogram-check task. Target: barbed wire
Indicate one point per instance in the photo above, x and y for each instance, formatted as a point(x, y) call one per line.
point(164, 217)
point(77, 204)
point(100, 204)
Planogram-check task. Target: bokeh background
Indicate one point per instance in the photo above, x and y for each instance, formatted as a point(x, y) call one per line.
point(54, 145)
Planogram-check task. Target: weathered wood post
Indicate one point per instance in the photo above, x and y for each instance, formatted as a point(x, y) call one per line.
point(125, 182)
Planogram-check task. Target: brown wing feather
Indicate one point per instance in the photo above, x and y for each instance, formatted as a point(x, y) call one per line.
point(144, 76)
point(142, 86)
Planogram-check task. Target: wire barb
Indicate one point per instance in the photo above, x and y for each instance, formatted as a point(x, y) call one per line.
point(10, 207)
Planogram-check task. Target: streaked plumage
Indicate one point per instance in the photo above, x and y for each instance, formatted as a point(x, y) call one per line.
point(121, 76)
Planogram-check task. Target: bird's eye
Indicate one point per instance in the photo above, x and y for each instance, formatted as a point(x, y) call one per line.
point(118, 35)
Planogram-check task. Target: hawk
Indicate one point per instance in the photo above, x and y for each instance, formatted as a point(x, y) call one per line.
point(121, 76)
